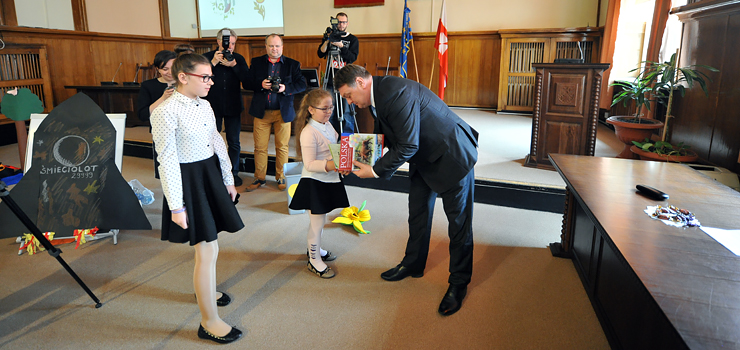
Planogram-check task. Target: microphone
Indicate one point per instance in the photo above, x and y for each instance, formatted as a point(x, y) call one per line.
point(136, 77)
point(112, 81)
point(387, 66)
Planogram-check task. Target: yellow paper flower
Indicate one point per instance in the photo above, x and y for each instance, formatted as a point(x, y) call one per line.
point(355, 217)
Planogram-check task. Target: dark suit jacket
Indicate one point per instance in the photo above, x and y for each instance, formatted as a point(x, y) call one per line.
point(420, 129)
point(291, 77)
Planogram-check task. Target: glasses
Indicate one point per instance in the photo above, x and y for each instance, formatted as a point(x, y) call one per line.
point(206, 78)
point(327, 109)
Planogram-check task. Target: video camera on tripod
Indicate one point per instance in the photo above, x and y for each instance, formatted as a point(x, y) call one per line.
point(333, 34)
point(226, 43)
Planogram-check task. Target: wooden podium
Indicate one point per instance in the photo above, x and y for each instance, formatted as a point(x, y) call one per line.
point(566, 110)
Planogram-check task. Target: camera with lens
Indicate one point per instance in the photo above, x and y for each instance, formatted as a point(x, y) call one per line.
point(275, 81)
point(333, 34)
point(225, 43)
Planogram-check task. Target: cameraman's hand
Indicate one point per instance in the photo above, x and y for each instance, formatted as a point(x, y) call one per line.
point(266, 84)
point(218, 57)
point(338, 44)
point(231, 63)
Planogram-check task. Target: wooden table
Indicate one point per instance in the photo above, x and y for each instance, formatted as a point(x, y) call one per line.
point(653, 286)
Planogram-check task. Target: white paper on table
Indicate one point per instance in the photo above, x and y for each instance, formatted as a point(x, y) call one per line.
point(728, 238)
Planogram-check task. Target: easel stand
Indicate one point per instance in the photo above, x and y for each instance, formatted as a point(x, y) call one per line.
point(53, 251)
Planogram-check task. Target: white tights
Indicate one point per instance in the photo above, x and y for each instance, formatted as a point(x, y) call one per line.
point(315, 229)
point(204, 280)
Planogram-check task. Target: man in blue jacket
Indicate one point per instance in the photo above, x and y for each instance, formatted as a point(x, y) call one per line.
point(275, 79)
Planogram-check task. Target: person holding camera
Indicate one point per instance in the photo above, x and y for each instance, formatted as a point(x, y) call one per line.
point(230, 70)
point(339, 47)
point(275, 79)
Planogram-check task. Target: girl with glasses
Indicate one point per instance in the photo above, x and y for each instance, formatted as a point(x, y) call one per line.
point(198, 186)
point(320, 190)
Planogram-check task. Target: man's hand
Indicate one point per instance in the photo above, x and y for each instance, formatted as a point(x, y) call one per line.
point(181, 219)
point(266, 84)
point(281, 89)
point(338, 44)
point(231, 63)
point(365, 171)
point(218, 57)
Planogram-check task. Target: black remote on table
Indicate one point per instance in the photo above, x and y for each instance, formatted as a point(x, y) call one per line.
point(652, 192)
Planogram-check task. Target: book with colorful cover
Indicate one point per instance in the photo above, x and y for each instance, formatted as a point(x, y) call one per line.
point(365, 148)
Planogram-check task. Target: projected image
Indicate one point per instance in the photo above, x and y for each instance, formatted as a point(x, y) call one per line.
point(246, 17)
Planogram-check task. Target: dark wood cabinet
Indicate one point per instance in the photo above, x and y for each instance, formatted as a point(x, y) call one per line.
point(566, 110)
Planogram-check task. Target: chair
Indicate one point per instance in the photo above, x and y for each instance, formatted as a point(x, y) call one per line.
point(380, 70)
point(146, 71)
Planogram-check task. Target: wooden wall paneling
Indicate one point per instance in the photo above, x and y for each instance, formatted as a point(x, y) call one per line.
point(164, 18)
point(471, 81)
point(711, 124)
point(79, 15)
point(7, 13)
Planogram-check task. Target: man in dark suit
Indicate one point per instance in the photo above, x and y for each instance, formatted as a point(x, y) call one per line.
point(441, 150)
point(273, 107)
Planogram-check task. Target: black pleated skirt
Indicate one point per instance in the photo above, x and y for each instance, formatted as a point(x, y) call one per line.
point(209, 206)
point(319, 197)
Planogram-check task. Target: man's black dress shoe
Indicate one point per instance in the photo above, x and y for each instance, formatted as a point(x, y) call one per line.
point(452, 300)
point(234, 334)
point(400, 272)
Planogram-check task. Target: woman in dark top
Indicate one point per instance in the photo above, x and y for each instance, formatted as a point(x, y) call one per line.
point(155, 91)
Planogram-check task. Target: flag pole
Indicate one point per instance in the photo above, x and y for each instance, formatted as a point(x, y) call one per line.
point(416, 67)
point(431, 75)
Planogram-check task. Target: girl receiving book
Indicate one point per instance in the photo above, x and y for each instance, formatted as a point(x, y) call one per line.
point(321, 189)
point(198, 186)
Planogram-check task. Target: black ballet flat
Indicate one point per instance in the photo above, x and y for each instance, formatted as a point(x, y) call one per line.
point(224, 300)
point(234, 334)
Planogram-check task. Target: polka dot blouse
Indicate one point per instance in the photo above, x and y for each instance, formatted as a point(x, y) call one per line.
point(184, 131)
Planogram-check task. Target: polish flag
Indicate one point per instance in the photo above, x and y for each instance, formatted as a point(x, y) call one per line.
point(441, 46)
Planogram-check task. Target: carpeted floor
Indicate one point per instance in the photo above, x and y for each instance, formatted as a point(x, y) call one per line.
point(520, 297)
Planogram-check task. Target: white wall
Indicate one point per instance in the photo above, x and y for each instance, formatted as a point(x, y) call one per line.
point(52, 14)
point(136, 17)
point(312, 17)
point(182, 18)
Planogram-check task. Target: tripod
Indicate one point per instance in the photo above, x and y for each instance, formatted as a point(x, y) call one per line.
point(334, 61)
point(53, 251)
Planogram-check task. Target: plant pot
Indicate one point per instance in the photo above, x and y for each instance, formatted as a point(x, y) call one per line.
point(644, 155)
point(627, 131)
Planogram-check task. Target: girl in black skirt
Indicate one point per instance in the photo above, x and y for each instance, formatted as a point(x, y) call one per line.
point(198, 186)
point(321, 189)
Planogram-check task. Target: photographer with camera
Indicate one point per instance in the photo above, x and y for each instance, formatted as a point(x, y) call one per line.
point(339, 47)
point(230, 70)
point(275, 79)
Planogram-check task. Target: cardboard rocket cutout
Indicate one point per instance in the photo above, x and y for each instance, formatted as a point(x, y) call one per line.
point(73, 182)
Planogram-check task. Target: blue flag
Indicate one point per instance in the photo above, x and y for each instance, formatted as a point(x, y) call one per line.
point(406, 39)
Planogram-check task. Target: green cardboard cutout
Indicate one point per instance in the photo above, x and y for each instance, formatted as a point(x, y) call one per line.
point(20, 106)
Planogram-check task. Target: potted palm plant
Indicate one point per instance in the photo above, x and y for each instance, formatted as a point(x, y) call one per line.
point(657, 82)
point(634, 128)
